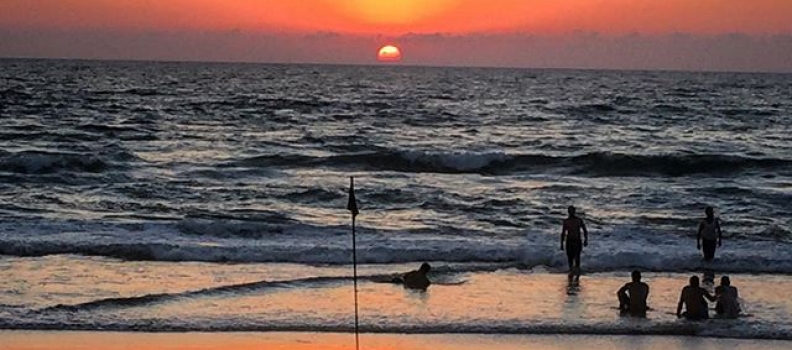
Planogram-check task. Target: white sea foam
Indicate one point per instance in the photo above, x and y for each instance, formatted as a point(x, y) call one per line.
point(245, 242)
point(460, 161)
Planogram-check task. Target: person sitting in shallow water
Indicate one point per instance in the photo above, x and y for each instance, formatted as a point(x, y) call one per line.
point(692, 297)
point(728, 297)
point(632, 297)
point(416, 279)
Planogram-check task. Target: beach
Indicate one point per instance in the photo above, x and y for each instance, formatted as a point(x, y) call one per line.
point(312, 341)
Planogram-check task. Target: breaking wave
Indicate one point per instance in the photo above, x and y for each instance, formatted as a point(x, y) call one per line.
point(594, 164)
point(41, 162)
point(618, 250)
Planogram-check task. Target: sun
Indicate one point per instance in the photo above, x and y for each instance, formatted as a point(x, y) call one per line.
point(389, 53)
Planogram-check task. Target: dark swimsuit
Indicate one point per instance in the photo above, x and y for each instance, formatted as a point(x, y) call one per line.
point(573, 249)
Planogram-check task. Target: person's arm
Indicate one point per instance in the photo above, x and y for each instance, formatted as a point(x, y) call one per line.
point(585, 233)
point(698, 236)
point(707, 295)
point(563, 234)
point(679, 305)
point(622, 293)
point(720, 233)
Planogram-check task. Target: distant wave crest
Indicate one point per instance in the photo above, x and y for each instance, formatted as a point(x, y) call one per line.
point(38, 162)
point(594, 164)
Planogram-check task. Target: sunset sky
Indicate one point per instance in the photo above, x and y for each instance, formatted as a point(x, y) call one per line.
point(665, 34)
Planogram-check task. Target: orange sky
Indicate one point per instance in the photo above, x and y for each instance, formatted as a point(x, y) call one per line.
point(734, 35)
point(396, 17)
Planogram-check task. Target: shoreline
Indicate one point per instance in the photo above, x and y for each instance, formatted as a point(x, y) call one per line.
point(688, 329)
point(497, 303)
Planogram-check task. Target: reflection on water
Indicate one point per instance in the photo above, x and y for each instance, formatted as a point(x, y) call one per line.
point(293, 297)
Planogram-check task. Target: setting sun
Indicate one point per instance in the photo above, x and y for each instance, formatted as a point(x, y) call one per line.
point(389, 53)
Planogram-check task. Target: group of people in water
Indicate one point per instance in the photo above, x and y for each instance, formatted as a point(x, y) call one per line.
point(633, 295)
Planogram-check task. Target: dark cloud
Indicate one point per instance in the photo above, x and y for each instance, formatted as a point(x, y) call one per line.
point(678, 51)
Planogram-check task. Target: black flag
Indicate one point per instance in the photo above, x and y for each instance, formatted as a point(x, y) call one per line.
point(352, 204)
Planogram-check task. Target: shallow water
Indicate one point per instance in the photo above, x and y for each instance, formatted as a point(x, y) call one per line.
point(52, 293)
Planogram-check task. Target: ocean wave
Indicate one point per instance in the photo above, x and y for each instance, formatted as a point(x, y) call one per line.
point(52, 162)
point(593, 164)
point(615, 164)
point(40, 162)
point(57, 136)
point(404, 161)
point(759, 332)
point(612, 251)
point(589, 109)
point(261, 225)
point(149, 299)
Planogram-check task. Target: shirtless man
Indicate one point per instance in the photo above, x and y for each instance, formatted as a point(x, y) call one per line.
point(728, 304)
point(633, 295)
point(709, 235)
point(696, 308)
point(570, 233)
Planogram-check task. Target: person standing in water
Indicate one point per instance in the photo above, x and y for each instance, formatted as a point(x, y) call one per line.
point(570, 233)
point(709, 235)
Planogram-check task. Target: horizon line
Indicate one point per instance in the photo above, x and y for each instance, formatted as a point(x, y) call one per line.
point(389, 65)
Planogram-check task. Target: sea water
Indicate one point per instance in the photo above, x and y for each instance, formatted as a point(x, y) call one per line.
point(139, 195)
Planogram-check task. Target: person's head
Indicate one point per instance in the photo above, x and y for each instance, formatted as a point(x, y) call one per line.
point(709, 211)
point(725, 281)
point(425, 268)
point(636, 276)
point(694, 281)
point(571, 210)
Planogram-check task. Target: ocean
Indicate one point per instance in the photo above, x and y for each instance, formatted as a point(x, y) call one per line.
point(139, 196)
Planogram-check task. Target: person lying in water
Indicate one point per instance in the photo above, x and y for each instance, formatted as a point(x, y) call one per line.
point(693, 298)
point(416, 279)
point(632, 297)
point(728, 297)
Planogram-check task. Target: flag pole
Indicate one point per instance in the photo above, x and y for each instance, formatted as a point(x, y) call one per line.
point(352, 206)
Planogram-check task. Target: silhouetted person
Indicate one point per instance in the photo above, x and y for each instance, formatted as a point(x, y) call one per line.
point(709, 235)
point(632, 297)
point(570, 233)
point(728, 297)
point(696, 307)
point(708, 278)
point(417, 279)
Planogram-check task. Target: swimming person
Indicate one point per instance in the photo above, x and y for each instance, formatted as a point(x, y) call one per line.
point(570, 233)
point(728, 297)
point(417, 279)
point(696, 308)
point(709, 235)
point(632, 297)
